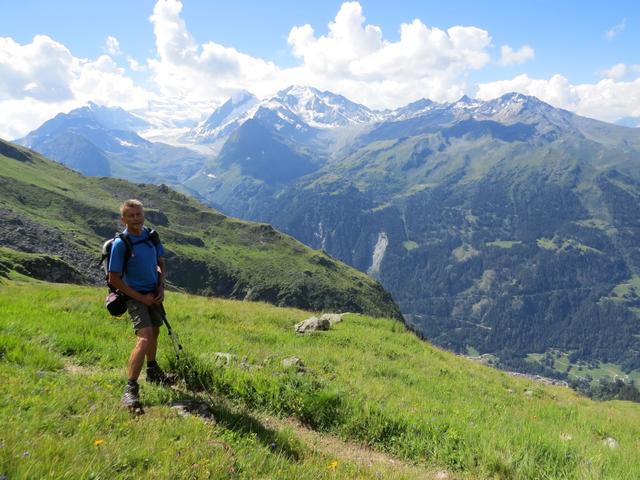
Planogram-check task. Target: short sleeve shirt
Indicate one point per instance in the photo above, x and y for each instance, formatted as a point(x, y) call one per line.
point(142, 267)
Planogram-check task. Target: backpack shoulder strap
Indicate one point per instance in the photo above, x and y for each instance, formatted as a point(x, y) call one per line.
point(128, 248)
point(154, 236)
point(151, 238)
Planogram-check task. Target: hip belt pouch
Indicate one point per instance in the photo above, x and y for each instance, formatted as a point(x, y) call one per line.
point(116, 303)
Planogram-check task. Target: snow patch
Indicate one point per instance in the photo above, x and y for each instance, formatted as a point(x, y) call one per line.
point(378, 254)
point(283, 117)
point(124, 143)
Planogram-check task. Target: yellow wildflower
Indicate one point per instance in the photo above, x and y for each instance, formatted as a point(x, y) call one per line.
point(333, 464)
point(98, 442)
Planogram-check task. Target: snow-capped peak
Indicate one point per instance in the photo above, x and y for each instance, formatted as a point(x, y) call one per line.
point(239, 103)
point(324, 109)
point(467, 103)
point(241, 96)
point(295, 105)
point(225, 118)
point(113, 118)
point(412, 110)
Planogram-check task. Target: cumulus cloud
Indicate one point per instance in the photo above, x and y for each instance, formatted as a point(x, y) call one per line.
point(42, 70)
point(184, 68)
point(134, 65)
point(354, 59)
point(18, 117)
point(607, 100)
point(105, 83)
point(620, 71)
point(42, 78)
point(616, 30)
point(616, 72)
point(112, 45)
point(508, 56)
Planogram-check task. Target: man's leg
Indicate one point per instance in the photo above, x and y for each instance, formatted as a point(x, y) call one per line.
point(153, 346)
point(147, 342)
point(154, 372)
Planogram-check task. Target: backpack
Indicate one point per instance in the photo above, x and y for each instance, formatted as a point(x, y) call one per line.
point(116, 301)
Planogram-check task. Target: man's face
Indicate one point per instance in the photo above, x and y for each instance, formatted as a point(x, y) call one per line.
point(133, 218)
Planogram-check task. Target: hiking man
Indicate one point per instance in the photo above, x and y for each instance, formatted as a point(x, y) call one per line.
point(140, 277)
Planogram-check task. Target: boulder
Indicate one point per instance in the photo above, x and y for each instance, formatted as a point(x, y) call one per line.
point(611, 442)
point(292, 362)
point(332, 317)
point(312, 324)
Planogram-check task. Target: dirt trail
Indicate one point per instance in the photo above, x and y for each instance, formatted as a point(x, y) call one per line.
point(331, 445)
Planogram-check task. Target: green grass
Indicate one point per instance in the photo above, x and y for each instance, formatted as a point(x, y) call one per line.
point(627, 290)
point(366, 380)
point(464, 252)
point(594, 223)
point(547, 244)
point(504, 243)
point(556, 244)
point(595, 370)
point(62, 369)
point(410, 245)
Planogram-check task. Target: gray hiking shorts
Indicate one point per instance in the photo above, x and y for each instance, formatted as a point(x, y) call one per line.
point(143, 316)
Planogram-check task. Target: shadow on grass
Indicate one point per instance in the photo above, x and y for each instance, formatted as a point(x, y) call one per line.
point(238, 421)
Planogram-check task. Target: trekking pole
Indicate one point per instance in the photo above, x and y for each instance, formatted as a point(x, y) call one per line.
point(177, 347)
point(175, 341)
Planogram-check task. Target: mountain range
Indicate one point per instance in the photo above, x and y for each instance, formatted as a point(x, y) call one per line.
point(506, 228)
point(101, 141)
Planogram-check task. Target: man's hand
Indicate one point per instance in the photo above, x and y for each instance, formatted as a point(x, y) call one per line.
point(148, 299)
point(159, 298)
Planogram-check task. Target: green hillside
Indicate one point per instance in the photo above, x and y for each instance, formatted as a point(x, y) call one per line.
point(365, 385)
point(49, 210)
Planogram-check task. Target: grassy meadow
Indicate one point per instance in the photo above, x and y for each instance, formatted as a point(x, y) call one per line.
point(366, 382)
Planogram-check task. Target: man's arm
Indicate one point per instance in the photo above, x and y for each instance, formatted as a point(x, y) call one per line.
point(115, 279)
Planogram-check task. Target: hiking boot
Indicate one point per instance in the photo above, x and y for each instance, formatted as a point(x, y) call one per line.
point(131, 397)
point(157, 376)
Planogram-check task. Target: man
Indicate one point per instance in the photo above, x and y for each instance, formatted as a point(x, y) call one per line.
point(141, 279)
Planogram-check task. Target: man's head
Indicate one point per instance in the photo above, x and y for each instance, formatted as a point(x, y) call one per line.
point(132, 215)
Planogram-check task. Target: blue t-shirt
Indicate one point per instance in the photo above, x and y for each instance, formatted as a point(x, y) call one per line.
point(142, 271)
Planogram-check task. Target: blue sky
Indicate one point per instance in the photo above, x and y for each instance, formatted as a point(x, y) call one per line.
point(578, 55)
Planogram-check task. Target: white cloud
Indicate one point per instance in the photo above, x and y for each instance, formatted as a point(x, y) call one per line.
point(508, 56)
point(347, 41)
point(616, 72)
point(134, 65)
point(42, 69)
point(616, 30)
point(621, 71)
point(607, 100)
point(185, 69)
point(112, 45)
point(103, 82)
point(354, 59)
point(42, 78)
point(18, 117)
